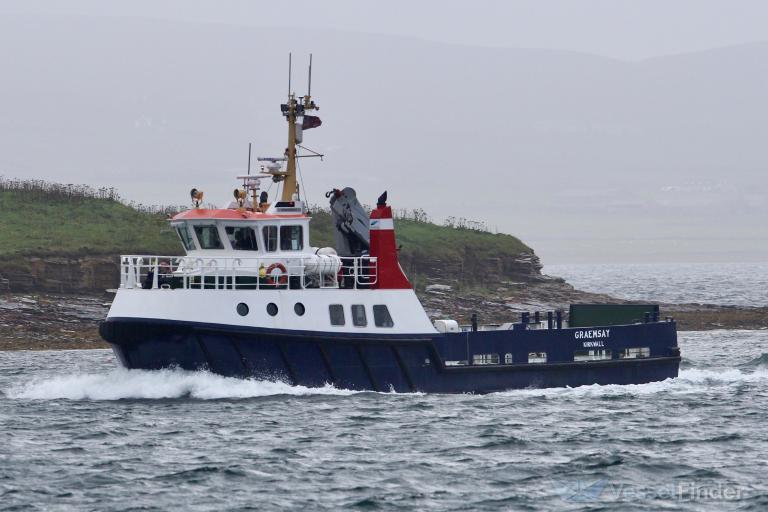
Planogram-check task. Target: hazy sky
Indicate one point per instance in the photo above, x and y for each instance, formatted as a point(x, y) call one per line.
point(625, 29)
point(594, 130)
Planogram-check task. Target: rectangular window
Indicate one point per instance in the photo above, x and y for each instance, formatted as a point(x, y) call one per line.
point(537, 357)
point(358, 316)
point(291, 238)
point(381, 316)
point(635, 353)
point(208, 237)
point(485, 359)
point(591, 355)
point(508, 358)
point(270, 237)
point(186, 237)
point(337, 314)
point(242, 238)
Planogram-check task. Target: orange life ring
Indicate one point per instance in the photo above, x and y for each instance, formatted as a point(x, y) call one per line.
point(282, 279)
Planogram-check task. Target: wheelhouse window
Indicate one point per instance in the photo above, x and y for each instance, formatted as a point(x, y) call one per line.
point(291, 238)
point(381, 316)
point(186, 237)
point(242, 238)
point(270, 238)
point(337, 314)
point(358, 316)
point(208, 237)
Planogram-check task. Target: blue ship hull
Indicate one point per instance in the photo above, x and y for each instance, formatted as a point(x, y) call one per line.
point(402, 363)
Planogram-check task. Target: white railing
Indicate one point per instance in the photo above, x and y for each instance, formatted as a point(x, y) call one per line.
point(236, 273)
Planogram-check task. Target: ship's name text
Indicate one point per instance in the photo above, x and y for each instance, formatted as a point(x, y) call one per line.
point(593, 334)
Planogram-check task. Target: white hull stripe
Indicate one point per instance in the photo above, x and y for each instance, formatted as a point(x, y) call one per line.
point(382, 224)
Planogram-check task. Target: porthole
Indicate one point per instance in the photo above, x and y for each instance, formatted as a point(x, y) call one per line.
point(299, 308)
point(272, 309)
point(242, 309)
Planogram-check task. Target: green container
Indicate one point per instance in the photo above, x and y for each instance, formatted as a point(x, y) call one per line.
point(594, 315)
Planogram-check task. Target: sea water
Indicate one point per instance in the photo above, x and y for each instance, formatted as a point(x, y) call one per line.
point(732, 284)
point(78, 433)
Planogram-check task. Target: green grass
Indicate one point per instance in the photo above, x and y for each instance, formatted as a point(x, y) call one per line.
point(79, 226)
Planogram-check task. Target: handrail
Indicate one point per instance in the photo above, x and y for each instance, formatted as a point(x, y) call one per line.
point(232, 273)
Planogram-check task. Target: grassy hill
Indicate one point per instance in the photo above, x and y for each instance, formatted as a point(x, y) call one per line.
point(44, 223)
point(81, 226)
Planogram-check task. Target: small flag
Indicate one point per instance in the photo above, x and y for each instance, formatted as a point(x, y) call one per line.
point(310, 122)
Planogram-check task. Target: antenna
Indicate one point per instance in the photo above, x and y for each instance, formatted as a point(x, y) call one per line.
point(289, 74)
point(309, 87)
point(249, 159)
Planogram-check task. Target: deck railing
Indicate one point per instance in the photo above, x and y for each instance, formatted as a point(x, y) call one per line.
point(230, 273)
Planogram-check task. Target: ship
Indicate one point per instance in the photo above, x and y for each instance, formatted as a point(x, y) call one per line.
point(250, 298)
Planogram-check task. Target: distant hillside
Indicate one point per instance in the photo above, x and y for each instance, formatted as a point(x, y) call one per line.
point(73, 240)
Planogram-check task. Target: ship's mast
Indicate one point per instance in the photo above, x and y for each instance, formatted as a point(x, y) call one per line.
point(294, 111)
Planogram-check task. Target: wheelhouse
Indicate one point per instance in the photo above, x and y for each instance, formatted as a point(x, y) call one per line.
point(241, 234)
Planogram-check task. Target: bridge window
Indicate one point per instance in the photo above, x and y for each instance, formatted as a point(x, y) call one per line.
point(291, 238)
point(337, 314)
point(208, 237)
point(186, 237)
point(591, 355)
point(481, 359)
point(358, 316)
point(270, 237)
point(381, 316)
point(242, 238)
point(537, 357)
point(635, 353)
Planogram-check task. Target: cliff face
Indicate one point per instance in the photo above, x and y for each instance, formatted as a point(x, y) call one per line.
point(470, 269)
point(462, 264)
point(60, 274)
point(63, 274)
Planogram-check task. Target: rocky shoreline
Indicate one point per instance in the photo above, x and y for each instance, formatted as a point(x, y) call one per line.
point(59, 321)
point(509, 299)
point(51, 321)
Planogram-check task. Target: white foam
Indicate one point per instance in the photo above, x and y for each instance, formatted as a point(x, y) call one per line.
point(689, 381)
point(120, 383)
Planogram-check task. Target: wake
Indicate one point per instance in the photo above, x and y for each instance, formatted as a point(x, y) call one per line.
point(690, 381)
point(159, 384)
point(122, 384)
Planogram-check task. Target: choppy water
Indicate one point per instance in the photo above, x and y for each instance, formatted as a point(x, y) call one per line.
point(738, 284)
point(76, 433)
